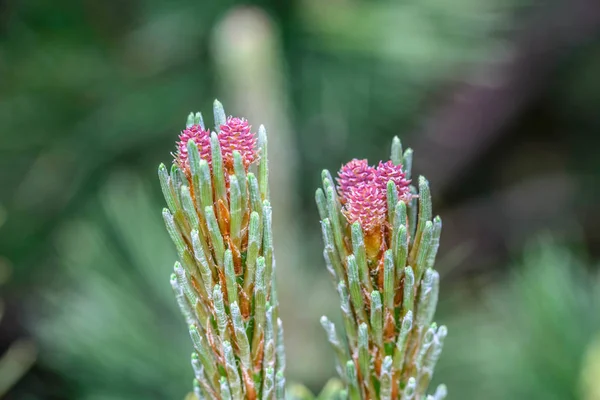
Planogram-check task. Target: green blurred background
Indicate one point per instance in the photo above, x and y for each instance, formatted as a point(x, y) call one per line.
point(500, 99)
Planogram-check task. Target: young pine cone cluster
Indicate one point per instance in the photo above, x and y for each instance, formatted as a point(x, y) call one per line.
point(380, 248)
point(219, 218)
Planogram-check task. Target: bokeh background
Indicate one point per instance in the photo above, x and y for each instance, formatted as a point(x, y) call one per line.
point(500, 99)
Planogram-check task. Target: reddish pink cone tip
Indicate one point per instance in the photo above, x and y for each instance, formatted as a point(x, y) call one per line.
point(352, 174)
point(365, 204)
point(202, 139)
point(389, 171)
point(235, 135)
point(363, 191)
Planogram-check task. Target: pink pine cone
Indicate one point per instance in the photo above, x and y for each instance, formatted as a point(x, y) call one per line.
point(202, 139)
point(389, 171)
point(235, 135)
point(363, 191)
point(365, 204)
point(353, 174)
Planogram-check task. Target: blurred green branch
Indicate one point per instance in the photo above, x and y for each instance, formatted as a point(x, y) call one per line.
point(21, 354)
point(539, 328)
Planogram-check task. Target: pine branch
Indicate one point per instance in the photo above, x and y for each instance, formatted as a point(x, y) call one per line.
point(380, 248)
point(219, 218)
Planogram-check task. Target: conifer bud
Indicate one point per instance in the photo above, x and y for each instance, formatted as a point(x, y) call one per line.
point(380, 248)
point(219, 219)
